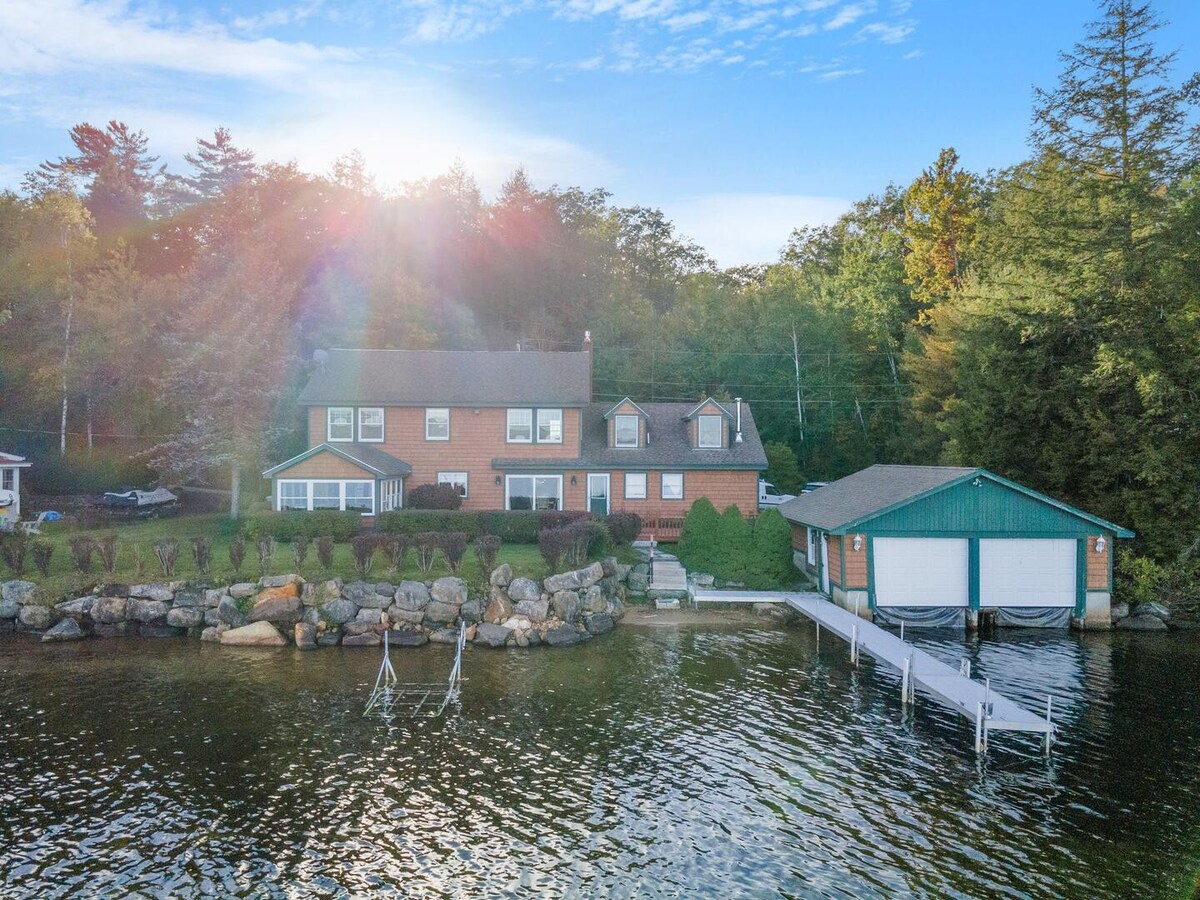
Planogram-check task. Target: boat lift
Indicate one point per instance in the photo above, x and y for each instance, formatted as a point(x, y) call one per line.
point(419, 699)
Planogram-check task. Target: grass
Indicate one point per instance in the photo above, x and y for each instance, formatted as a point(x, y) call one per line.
point(64, 581)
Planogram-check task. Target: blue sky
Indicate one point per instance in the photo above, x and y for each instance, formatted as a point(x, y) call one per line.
point(741, 118)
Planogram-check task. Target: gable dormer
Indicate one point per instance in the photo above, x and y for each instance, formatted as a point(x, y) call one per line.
point(709, 424)
point(628, 426)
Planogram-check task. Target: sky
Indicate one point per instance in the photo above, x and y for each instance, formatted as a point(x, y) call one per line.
point(741, 119)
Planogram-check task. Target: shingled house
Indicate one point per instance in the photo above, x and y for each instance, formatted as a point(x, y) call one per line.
point(511, 430)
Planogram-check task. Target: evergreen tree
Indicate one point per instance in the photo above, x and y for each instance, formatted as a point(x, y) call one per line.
point(698, 542)
point(771, 563)
point(735, 547)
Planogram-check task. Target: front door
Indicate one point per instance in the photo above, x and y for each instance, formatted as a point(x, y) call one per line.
point(597, 484)
point(824, 564)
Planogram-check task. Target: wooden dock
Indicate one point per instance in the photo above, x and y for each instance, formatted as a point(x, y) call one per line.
point(976, 701)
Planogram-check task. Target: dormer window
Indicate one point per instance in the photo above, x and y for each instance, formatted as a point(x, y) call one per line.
point(625, 431)
point(708, 434)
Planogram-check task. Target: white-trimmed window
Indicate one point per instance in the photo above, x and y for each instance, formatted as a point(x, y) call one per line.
point(533, 492)
point(625, 431)
point(8, 478)
point(370, 424)
point(520, 426)
point(391, 494)
point(458, 480)
point(550, 426)
point(708, 431)
point(326, 493)
point(340, 425)
point(672, 485)
point(437, 424)
point(635, 485)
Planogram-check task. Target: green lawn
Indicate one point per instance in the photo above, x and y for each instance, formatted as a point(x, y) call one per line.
point(65, 581)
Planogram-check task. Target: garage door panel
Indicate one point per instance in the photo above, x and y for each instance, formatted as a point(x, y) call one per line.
point(921, 571)
point(1027, 572)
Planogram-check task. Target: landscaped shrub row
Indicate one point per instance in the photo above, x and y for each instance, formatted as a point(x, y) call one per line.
point(287, 526)
point(511, 526)
point(726, 546)
point(573, 543)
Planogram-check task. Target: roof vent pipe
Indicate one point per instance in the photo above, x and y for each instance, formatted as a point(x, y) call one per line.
point(737, 438)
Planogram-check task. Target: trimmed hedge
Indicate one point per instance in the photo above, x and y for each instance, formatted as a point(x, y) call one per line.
point(287, 526)
point(517, 526)
point(434, 496)
point(727, 547)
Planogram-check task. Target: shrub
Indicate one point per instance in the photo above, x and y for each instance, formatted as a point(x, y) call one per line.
point(13, 547)
point(139, 560)
point(287, 526)
point(513, 526)
point(1140, 579)
point(454, 547)
point(106, 547)
point(434, 496)
point(264, 546)
point(427, 547)
point(42, 552)
point(487, 548)
point(82, 549)
point(734, 546)
point(416, 521)
point(623, 527)
point(324, 545)
point(201, 553)
point(558, 518)
point(300, 545)
point(771, 563)
point(167, 552)
point(699, 546)
point(553, 544)
point(396, 548)
point(362, 546)
point(237, 553)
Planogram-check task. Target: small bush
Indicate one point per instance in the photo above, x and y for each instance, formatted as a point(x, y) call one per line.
point(771, 563)
point(139, 561)
point(106, 547)
point(82, 549)
point(513, 526)
point(454, 548)
point(202, 554)
point(434, 496)
point(300, 545)
point(324, 545)
point(167, 553)
point(362, 546)
point(1140, 579)
point(553, 544)
point(13, 547)
point(396, 548)
point(42, 553)
point(487, 548)
point(285, 527)
point(734, 546)
point(559, 518)
point(699, 544)
point(623, 527)
point(264, 546)
point(427, 547)
point(237, 553)
point(416, 521)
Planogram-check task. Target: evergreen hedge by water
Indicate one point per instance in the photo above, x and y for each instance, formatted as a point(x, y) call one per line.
point(726, 546)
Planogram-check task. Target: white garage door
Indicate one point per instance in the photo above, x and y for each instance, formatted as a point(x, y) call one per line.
point(920, 571)
point(1026, 572)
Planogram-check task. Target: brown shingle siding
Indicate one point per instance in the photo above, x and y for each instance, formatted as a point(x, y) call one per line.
point(326, 465)
point(856, 562)
point(1097, 564)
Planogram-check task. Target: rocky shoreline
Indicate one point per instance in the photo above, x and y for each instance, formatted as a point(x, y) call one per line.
point(564, 609)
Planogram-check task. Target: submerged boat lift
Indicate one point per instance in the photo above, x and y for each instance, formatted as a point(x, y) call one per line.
point(975, 701)
point(428, 699)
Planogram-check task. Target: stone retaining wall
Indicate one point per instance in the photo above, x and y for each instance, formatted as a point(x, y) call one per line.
point(565, 609)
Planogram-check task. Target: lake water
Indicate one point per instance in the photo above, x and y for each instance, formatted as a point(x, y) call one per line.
point(669, 761)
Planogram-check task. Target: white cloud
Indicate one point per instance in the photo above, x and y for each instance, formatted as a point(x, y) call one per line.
point(839, 73)
point(750, 228)
point(886, 33)
point(688, 19)
point(849, 14)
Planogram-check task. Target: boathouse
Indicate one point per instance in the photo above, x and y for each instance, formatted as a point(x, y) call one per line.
point(936, 545)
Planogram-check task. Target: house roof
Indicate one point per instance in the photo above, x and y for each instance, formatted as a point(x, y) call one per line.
point(372, 459)
point(450, 377)
point(12, 460)
point(670, 445)
point(613, 409)
point(703, 403)
point(849, 502)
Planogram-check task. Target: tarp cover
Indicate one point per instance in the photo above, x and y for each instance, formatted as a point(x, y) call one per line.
point(922, 616)
point(1033, 617)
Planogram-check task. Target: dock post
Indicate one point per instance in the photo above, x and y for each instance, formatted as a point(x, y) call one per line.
point(979, 733)
point(987, 697)
point(854, 644)
point(818, 637)
point(1049, 724)
point(904, 683)
point(901, 629)
point(912, 681)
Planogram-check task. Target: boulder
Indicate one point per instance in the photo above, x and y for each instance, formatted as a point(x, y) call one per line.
point(701, 579)
point(449, 590)
point(490, 635)
point(401, 616)
point(1120, 611)
point(257, 634)
point(524, 589)
point(329, 639)
point(190, 598)
point(608, 586)
point(339, 611)
point(212, 597)
point(517, 623)
point(366, 639)
point(16, 593)
point(501, 575)
point(566, 605)
point(269, 581)
point(639, 582)
point(471, 611)
point(242, 590)
point(411, 595)
point(408, 639)
point(139, 610)
point(566, 581)
point(498, 609)
point(306, 636)
point(210, 635)
point(533, 637)
point(441, 612)
point(593, 599)
point(562, 636)
point(66, 630)
point(185, 617)
point(109, 629)
point(9, 609)
point(1153, 609)
point(616, 609)
point(210, 617)
point(599, 623)
point(444, 636)
point(592, 574)
point(609, 565)
point(277, 604)
point(152, 630)
point(361, 628)
point(1141, 623)
point(370, 616)
point(109, 610)
point(77, 608)
point(160, 592)
point(364, 594)
point(112, 589)
point(230, 613)
point(533, 610)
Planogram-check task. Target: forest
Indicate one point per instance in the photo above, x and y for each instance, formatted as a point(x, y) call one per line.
point(1040, 321)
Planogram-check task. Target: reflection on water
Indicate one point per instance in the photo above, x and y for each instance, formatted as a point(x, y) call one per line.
point(653, 762)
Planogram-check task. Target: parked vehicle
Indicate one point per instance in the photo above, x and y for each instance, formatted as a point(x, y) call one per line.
point(769, 496)
point(812, 486)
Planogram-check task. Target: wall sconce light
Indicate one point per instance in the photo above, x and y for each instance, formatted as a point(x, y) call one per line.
point(499, 480)
point(978, 482)
point(857, 542)
point(1101, 544)
point(574, 479)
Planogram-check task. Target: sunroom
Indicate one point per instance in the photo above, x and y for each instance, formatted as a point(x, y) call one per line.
point(345, 477)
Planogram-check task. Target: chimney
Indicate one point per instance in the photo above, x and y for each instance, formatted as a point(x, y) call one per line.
point(587, 348)
point(737, 438)
point(587, 342)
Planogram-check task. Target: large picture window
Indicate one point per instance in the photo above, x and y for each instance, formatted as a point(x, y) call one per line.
point(635, 485)
point(293, 495)
point(456, 479)
point(533, 492)
point(550, 426)
point(370, 424)
point(520, 426)
point(709, 432)
point(350, 494)
point(672, 485)
point(625, 431)
point(340, 423)
point(437, 424)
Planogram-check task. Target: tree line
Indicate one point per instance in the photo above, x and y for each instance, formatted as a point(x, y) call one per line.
point(1040, 321)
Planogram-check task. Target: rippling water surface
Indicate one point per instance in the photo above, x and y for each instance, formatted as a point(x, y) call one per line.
point(669, 761)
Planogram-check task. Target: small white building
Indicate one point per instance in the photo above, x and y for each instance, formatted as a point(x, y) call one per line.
point(10, 488)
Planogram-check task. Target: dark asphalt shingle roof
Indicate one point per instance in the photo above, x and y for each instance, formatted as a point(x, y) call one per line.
point(451, 378)
point(670, 444)
point(867, 492)
point(379, 461)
